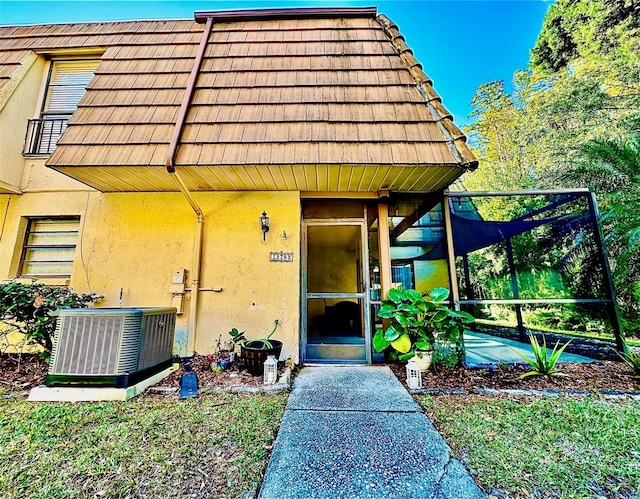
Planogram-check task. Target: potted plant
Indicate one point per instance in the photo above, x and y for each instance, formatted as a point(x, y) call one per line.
point(416, 324)
point(255, 352)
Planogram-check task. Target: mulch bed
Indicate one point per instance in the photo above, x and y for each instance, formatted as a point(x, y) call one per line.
point(602, 376)
point(24, 372)
point(21, 372)
point(596, 377)
point(232, 377)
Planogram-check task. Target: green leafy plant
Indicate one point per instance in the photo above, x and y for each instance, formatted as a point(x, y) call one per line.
point(631, 358)
point(32, 308)
point(225, 352)
point(237, 338)
point(543, 364)
point(417, 323)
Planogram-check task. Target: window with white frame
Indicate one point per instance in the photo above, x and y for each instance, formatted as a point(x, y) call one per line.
point(65, 88)
point(49, 247)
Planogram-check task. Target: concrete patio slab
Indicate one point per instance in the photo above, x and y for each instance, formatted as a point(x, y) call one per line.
point(486, 350)
point(358, 388)
point(340, 438)
point(95, 394)
point(373, 377)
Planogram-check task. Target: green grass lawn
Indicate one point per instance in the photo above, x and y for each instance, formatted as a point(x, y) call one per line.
point(218, 445)
point(213, 446)
point(550, 447)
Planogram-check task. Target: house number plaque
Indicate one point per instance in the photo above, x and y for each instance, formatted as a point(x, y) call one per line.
point(280, 256)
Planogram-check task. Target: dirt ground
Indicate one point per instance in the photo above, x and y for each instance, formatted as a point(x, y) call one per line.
point(234, 376)
point(25, 372)
point(29, 371)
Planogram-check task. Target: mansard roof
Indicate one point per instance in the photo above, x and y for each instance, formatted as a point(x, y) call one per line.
point(294, 99)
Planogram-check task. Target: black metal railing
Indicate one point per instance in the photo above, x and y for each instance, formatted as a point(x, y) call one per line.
point(43, 134)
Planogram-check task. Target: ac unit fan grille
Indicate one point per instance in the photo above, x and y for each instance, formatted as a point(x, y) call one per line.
point(96, 345)
point(157, 340)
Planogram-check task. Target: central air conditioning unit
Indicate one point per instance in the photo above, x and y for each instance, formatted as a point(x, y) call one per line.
point(115, 347)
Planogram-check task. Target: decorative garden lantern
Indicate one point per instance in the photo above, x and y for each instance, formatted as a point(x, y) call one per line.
point(414, 375)
point(270, 370)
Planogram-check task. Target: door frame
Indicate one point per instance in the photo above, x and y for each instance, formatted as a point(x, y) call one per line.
point(364, 295)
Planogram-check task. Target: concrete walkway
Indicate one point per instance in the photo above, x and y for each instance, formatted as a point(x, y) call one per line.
point(355, 432)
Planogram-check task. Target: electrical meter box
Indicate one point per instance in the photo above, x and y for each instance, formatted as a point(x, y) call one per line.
point(179, 276)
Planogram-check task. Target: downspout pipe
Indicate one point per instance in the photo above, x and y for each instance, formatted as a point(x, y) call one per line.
point(186, 99)
point(194, 278)
point(182, 186)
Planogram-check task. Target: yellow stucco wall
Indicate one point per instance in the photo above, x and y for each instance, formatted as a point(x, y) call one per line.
point(255, 290)
point(135, 242)
point(431, 274)
point(17, 104)
point(39, 178)
point(12, 341)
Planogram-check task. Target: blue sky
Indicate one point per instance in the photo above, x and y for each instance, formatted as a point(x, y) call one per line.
point(461, 44)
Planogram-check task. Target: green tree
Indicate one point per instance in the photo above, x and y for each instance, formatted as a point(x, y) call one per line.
point(572, 121)
point(581, 28)
point(494, 138)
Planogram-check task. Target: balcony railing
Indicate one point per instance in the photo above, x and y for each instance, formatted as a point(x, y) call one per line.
point(43, 134)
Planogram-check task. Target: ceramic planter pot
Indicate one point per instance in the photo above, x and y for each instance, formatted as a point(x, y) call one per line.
point(254, 355)
point(423, 362)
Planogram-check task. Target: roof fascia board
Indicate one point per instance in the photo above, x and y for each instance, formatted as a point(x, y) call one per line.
point(282, 14)
point(75, 52)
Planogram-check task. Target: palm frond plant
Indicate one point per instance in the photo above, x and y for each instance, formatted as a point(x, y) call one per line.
point(611, 167)
point(541, 363)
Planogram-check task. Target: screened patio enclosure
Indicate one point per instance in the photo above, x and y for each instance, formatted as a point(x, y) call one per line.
point(522, 260)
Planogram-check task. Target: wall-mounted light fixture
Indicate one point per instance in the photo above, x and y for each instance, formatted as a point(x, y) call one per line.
point(264, 224)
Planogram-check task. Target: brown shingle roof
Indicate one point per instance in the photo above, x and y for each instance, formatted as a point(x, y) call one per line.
point(317, 103)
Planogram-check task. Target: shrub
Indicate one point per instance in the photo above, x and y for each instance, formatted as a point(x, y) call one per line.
point(32, 308)
point(445, 356)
